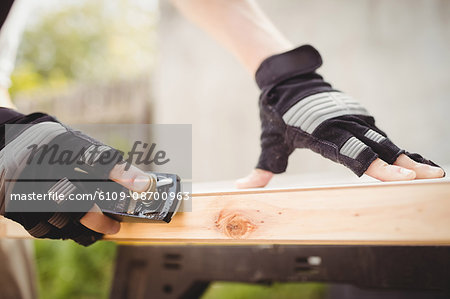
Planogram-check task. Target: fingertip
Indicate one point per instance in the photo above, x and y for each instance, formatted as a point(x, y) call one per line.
point(130, 177)
point(114, 228)
point(382, 171)
point(423, 171)
point(141, 183)
point(436, 172)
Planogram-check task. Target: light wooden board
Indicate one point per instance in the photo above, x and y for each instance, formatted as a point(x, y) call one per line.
point(415, 212)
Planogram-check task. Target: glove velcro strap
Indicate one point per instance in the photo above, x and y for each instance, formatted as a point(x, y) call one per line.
point(277, 68)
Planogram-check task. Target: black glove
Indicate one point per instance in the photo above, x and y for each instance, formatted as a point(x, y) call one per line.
point(298, 109)
point(26, 169)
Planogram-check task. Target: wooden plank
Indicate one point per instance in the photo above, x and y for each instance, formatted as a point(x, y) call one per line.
point(380, 213)
point(377, 213)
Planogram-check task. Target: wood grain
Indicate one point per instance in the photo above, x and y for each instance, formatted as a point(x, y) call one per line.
point(382, 213)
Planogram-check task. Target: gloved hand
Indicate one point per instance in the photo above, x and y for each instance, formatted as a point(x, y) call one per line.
point(79, 164)
point(298, 109)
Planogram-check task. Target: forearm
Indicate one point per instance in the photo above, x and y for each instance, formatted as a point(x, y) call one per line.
point(239, 25)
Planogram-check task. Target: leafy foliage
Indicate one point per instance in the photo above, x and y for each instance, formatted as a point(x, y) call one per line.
point(67, 270)
point(85, 41)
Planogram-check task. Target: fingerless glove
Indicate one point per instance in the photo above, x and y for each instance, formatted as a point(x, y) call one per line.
point(298, 109)
point(29, 143)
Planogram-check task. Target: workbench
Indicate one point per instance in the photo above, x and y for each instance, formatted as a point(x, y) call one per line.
point(369, 239)
point(359, 271)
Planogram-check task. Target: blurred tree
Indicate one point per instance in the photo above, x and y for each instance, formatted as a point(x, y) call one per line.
point(86, 41)
point(67, 270)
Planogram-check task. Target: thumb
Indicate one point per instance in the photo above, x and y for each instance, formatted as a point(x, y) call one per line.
point(130, 177)
point(273, 159)
point(258, 178)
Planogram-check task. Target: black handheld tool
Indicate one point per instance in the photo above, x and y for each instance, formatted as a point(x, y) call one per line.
point(159, 203)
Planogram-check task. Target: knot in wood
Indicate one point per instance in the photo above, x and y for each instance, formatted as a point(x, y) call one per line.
point(235, 225)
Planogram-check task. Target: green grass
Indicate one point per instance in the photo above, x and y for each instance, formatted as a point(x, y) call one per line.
point(68, 270)
point(232, 290)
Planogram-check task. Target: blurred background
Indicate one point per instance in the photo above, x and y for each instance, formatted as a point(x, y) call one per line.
point(139, 61)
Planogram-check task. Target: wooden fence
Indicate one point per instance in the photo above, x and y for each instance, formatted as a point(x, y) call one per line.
point(124, 101)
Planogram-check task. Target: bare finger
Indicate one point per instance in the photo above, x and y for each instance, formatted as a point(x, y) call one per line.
point(130, 177)
point(383, 171)
point(423, 171)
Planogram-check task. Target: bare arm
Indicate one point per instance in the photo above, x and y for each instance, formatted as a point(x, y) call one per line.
point(242, 27)
point(239, 25)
